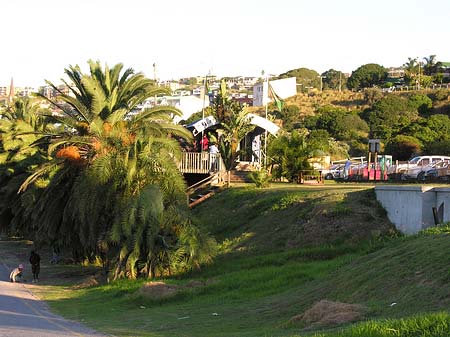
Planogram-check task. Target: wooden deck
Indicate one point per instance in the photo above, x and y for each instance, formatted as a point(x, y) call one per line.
point(201, 163)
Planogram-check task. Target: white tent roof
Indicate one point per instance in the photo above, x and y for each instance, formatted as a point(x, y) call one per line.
point(264, 124)
point(209, 121)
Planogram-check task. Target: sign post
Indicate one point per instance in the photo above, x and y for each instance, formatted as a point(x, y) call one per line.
point(374, 148)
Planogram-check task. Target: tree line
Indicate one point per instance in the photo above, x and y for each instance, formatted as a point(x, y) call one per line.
point(417, 72)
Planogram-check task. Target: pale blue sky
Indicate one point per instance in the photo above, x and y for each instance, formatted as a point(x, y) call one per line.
point(230, 38)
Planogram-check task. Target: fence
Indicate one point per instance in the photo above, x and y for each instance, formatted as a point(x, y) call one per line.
point(201, 162)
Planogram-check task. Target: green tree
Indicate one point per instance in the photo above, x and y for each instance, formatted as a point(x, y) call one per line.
point(403, 147)
point(438, 78)
point(234, 125)
point(289, 155)
point(389, 116)
point(421, 103)
point(289, 114)
point(367, 76)
point(306, 78)
point(290, 152)
point(334, 79)
point(341, 124)
point(114, 187)
point(441, 147)
point(431, 65)
point(412, 69)
point(19, 123)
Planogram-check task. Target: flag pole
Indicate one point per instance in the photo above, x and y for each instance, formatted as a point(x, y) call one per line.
point(265, 130)
point(203, 109)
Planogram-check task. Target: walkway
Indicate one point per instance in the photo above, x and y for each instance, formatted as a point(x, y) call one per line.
point(23, 315)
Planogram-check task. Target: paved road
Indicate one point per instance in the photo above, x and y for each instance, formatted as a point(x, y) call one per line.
point(23, 315)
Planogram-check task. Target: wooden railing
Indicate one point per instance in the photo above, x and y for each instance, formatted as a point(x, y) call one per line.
point(201, 162)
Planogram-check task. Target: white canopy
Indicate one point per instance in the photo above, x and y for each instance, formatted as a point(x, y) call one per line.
point(264, 123)
point(209, 121)
point(202, 124)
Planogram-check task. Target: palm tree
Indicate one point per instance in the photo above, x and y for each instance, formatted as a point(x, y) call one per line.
point(234, 125)
point(113, 171)
point(20, 123)
point(431, 66)
point(412, 69)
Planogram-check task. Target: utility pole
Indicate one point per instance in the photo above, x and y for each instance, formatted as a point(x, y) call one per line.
point(266, 86)
point(156, 83)
point(321, 83)
point(418, 84)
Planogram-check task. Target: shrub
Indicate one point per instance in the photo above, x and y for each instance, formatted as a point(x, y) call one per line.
point(260, 178)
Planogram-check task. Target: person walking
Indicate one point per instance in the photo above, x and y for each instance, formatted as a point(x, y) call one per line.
point(17, 274)
point(35, 261)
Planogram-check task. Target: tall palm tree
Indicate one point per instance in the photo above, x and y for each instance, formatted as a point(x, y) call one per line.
point(119, 192)
point(431, 66)
point(20, 122)
point(411, 70)
point(234, 125)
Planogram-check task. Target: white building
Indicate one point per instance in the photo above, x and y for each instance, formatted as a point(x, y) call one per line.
point(188, 105)
point(284, 88)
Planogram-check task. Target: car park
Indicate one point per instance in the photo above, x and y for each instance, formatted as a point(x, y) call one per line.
point(400, 169)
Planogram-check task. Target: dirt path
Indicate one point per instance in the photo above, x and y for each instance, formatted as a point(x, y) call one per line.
point(23, 315)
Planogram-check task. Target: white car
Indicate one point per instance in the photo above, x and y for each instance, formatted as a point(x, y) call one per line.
point(420, 172)
point(336, 171)
point(419, 161)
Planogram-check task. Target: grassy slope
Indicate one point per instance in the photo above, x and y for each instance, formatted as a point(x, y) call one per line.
point(269, 270)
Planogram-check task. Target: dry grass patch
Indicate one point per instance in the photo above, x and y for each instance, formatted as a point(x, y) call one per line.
point(328, 313)
point(157, 290)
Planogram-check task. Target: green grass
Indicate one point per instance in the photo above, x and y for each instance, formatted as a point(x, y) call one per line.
point(431, 325)
point(282, 250)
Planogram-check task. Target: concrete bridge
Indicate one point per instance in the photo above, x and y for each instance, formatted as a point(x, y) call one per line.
point(413, 208)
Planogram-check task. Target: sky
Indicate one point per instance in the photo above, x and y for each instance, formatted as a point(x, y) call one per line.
point(226, 38)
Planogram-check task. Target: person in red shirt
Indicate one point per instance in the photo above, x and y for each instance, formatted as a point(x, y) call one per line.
point(204, 143)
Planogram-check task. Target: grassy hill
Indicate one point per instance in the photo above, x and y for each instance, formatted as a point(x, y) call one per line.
point(308, 103)
point(282, 250)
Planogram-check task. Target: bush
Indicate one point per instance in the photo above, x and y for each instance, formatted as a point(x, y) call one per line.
point(261, 179)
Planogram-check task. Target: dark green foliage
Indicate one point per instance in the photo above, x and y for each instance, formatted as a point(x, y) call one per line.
point(373, 95)
point(421, 103)
point(403, 147)
point(260, 178)
point(432, 65)
point(334, 79)
point(441, 147)
point(341, 124)
point(389, 115)
point(289, 114)
point(440, 94)
point(289, 155)
point(367, 76)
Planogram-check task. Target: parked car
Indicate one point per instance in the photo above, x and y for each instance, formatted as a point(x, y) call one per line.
point(336, 171)
point(419, 172)
point(419, 161)
point(441, 171)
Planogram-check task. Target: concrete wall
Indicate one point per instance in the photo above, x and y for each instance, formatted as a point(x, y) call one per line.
point(410, 208)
